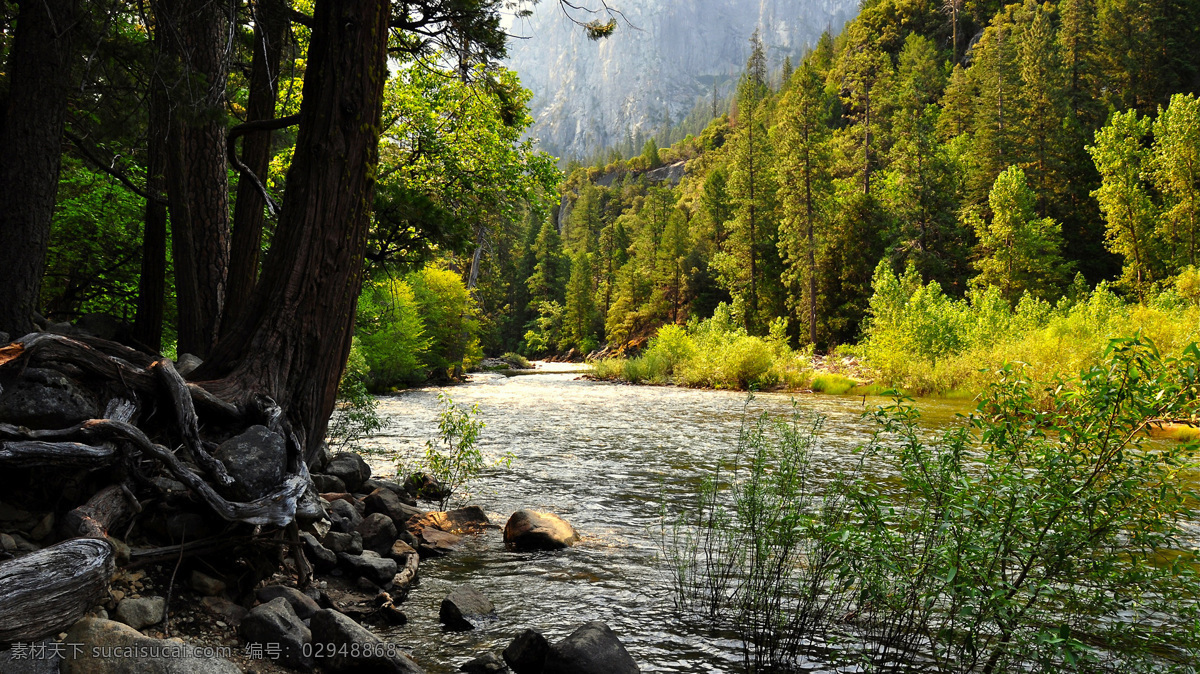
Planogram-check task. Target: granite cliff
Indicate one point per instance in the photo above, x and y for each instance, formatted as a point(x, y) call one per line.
point(657, 65)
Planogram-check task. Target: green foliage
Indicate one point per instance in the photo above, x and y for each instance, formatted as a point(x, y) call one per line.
point(391, 334)
point(357, 412)
point(448, 312)
point(1037, 536)
point(455, 459)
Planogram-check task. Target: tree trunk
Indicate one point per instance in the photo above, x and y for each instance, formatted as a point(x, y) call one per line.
point(30, 151)
point(195, 43)
point(152, 284)
point(270, 26)
point(293, 341)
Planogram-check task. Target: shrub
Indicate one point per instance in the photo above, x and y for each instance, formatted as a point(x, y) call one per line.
point(391, 334)
point(455, 458)
point(449, 313)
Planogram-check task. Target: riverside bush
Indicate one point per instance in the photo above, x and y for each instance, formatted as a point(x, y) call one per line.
point(1035, 537)
point(924, 342)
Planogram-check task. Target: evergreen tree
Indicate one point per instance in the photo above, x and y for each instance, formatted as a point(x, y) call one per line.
point(1018, 251)
point(1123, 160)
point(548, 281)
point(579, 328)
point(650, 154)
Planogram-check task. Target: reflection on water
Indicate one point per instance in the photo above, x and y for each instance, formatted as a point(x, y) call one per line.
point(605, 457)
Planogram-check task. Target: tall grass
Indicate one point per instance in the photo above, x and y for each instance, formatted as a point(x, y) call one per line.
point(924, 342)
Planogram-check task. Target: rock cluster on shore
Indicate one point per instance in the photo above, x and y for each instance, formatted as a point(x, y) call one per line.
point(365, 551)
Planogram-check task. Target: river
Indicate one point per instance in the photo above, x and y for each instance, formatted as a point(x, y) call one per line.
point(605, 457)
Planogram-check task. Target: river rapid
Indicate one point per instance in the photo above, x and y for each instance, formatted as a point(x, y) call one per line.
point(606, 457)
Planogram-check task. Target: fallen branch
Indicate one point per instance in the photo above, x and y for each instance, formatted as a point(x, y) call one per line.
point(47, 591)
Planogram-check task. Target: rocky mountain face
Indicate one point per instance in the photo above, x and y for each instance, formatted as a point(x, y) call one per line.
point(656, 67)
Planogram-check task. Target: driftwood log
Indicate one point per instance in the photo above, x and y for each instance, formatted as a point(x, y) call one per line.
point(46, 591)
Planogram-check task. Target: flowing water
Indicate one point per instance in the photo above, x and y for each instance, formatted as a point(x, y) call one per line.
point(606, 457)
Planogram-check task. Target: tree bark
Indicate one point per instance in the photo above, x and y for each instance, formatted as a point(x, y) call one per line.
point(195, 44)
point(30, 152)
point(270, 27)
point(293, 342)
point(46, 591)
point(152, 283)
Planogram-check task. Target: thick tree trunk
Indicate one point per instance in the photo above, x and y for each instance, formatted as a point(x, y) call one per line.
point(30, 151)
point(293, 342)
point(152, 284)
point(195, 42)
point(270, 27)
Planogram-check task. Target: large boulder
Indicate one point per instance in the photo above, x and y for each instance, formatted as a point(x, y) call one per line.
point(526, 654)
point(140, 612)
point(532, 530)
point(369, 565)
point(468, 520)
point(373, 484)
point(591, 649)
point(466, 608)
point(349, 648)
point(435, 542)
point(326, 484)
point(45, 399)
point(378, 532)
point(108, 647)
point(255, 460)
point(16, 661)
point(302, 604)
point(276, 623)
point(323, 559)
point(350, 469)
point(344, 516)
point(388, 502)
point(339, 542)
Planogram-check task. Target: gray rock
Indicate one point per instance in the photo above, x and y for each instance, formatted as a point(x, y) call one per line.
point(276, 623)
point(378, 532)
point(187, 364)
point(108, 647)
point(141, 612)
point(8, 543)
point(373, 654)
point(224, 609)
point(25, 664)
point(386, 502)
point(373, 484)
point(206, 584)
point(487, 663)
point(255, 460)
point(465, 609)
point(591, 649)
point(350, 469)
point(526, 654)
point(379, 570)
point(338, 542)
point(344, 515)
point(531, 530)
point(328, 484)
point(302, 604)
point(46, 399)
point(435, 542)
point(425, 487)
point(322, 558)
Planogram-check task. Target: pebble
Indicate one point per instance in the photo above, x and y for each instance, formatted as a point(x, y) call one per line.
point(221, 624)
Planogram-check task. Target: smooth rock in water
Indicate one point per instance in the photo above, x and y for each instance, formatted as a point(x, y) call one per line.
point(224, 609)
point(351, 543)
point(187, 364)
point(349, 468)
point(43, 398)
point(378, 532)
point(276, 623)
point(141, 612)
point(108, 647)
point(487, 663)
point(591, 649)
point(24, 664)
point(322, 558)
point(435, 542)
point(369, 565)
point(526, 654)
point(344, 515)
point(465, 608)
point(206, 584)
point(373, 654)
point(302, 604)
point(425, 487)
point(328, 483)
point(469, 520)
point(385, 501)
point(532, 530)
point(255, 460)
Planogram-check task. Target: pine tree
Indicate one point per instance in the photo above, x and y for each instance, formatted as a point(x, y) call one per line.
point(802, 143)
point(549, 278)
point(579, 328)
point(1018, 251)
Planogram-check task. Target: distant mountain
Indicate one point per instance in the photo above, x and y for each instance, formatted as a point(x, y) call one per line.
point(590, 95)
